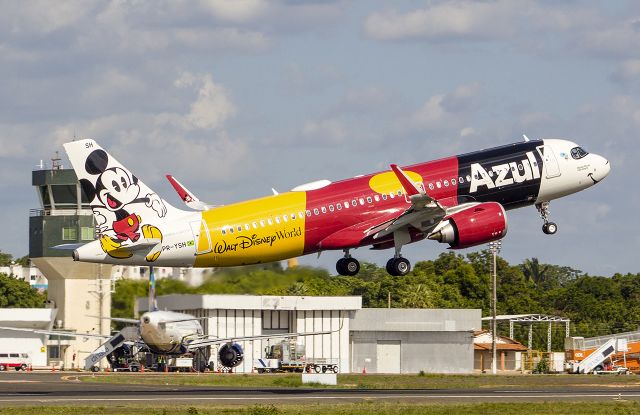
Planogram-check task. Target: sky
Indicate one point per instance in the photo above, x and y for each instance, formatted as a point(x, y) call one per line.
point(236, 97)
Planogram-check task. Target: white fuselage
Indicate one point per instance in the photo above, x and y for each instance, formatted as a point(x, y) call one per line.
point(168, 332)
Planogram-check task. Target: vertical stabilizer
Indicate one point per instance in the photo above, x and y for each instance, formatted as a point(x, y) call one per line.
point(153, 304)
point(126, 211)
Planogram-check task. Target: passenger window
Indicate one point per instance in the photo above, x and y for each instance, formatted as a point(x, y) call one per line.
point(339, 206)
point(384, 196)
point(269, 221)
point(376, 198)
point(301, 215)
point(239, 228)
point(224, 232)
point(369, 200)
point(439, 185)
point(331, 208)
point(277, 219)
point(308, 213)
point(246, 226)
point(431, 186)
point(354, 202)
point(284, 218)
point(324, 209)
point(231, 229)
point(468, 178)
point(262, 223)
point(446, 183)
point(346, 205)
point(293, 216)
point(316, 211)
point(460, 180)
point(453, 182)
point(392, 195)
point(399, 192)
point(520, 167)
point(361, 201)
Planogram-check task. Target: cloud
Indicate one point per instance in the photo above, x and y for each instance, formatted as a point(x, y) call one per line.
point(445, 111)
point(328, 131)
point(627, 71)
point(235, 10)
point(212, 107)
point(452, 20)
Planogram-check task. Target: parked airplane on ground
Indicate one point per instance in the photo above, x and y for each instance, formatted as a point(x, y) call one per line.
point(460, 200)
point(166, 333)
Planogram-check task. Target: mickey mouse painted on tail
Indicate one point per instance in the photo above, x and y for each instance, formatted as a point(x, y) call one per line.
point(118, 208)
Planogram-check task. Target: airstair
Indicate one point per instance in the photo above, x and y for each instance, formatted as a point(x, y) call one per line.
point(124, 335)
point(596, 358)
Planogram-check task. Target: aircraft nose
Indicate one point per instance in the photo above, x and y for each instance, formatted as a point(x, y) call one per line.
point(602, 167)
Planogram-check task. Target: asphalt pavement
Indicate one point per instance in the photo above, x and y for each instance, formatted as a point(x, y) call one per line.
point(46, 388)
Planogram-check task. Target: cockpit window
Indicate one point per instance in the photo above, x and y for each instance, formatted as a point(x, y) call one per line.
point(578, 153)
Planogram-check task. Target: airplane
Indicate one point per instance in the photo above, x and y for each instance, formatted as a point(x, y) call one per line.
point(167, 333)
point(460, 200)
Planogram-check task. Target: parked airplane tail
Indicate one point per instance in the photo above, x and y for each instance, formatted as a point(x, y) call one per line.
point(129, 215)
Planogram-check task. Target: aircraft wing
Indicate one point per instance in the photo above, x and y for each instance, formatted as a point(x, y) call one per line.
point(188, 197)
point(203, 342)
point(57, 333)
point(424, 214)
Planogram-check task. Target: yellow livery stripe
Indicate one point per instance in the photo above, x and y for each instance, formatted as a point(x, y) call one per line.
point(260, 230)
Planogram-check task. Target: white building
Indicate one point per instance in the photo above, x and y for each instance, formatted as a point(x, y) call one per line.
point(31, 274)
point(23, 341)
point(372, 340)
point(249, 315)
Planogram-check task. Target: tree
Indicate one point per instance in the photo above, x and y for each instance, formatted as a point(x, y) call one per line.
point(16, 293)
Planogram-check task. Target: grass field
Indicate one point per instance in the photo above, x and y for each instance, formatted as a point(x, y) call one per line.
point(368, 381)
point(595, 408)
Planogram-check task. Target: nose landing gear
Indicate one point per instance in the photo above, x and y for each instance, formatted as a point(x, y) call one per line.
point(347, 265)
point(548, 228)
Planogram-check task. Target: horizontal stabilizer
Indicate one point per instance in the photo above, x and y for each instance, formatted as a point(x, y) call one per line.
point(67, 247)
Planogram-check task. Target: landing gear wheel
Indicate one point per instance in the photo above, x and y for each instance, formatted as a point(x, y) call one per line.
point(348, 266)
point(549, 228)
point(398, 267)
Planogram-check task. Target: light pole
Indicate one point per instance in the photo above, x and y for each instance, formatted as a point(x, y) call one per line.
point(495, 249)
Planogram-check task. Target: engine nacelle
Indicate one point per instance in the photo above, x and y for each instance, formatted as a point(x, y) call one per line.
point(476, 225)
point(230, 355)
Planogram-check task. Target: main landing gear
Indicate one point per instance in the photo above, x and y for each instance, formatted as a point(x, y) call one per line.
point(347, 265)
point(548, 227)
point(398, 266)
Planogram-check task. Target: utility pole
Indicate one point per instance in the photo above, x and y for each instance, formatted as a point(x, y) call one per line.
point(495, 249)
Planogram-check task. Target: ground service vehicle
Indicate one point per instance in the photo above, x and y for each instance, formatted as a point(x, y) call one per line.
point(18, 361)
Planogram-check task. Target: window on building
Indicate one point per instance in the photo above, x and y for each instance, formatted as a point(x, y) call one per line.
point(86, 233)
point(53, 352)
point(69, 234)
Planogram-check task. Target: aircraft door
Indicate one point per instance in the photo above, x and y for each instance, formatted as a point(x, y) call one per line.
point(196, 226)
point(551, 167)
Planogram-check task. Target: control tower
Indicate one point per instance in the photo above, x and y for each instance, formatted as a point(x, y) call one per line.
point(81, 292)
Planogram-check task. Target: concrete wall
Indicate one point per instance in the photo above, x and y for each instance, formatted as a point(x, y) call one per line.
point(432, 352)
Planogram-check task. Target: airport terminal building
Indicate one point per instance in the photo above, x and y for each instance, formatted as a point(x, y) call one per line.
point(360, 339)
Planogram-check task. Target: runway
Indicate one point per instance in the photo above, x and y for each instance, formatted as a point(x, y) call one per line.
point(62, 389)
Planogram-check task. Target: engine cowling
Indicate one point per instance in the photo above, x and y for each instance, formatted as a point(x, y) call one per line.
point(476, 225)
point(230, 355)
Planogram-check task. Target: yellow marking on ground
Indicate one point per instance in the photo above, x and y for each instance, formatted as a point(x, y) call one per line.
point(387, 182)
point(266, 240)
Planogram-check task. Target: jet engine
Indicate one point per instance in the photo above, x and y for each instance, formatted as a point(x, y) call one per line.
point(230, 355)
point(476, 225)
